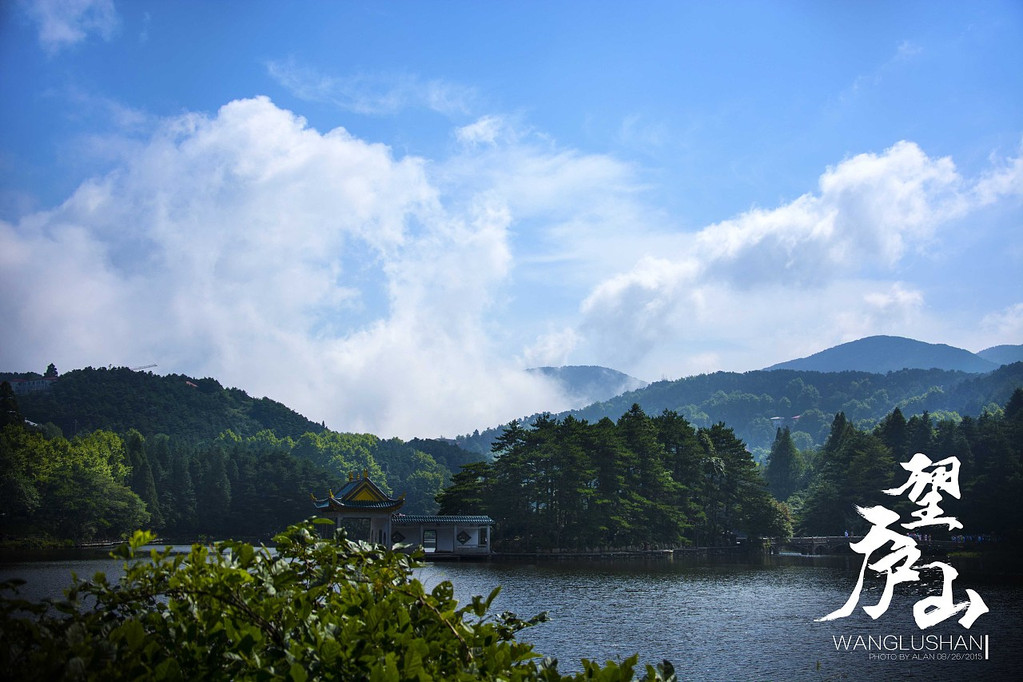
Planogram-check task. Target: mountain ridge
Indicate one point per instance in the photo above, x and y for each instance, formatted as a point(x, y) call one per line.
point(756, 403)
point(880, 354)
point(753, 402)
point(120, 399)
point(1004, 354)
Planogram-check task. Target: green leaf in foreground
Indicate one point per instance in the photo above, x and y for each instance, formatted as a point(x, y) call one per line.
point(311, 609)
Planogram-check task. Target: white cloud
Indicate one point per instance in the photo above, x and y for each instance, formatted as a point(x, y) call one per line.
point(57, 292)
point(551, 349)
point(896, 301)
point(1004, 326)
point(867, 209)
point(908, 49)
point(372, 94)
point(637, 132)
point(238, 245)
point(402, 296)
point(64, 23)
point(881, 309)
point(1006, 180)
point(817, 263)
point(484, 131)
point(632, 313)
point(906, 53)
point(582, 214)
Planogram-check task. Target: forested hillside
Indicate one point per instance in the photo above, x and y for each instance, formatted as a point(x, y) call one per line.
point(638, 481)
point(756, 404)
point(822, 487)
point(565, 481)
point(203, 460)
point(186, 408)
point(103, 484)
point(661, 481)
point(1004, 354)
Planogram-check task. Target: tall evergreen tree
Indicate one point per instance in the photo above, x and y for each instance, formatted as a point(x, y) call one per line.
point(141, 479)
point(514, 491)
point(470, 491)
point(684, 463)
point(10, 413)
point(893, 432)
point(575, 481)
point(784, 466)
point(919, 437)
point(213, 503)
point(178, 503)
point(611, 507)
point(855, 468)
point(1014, 408)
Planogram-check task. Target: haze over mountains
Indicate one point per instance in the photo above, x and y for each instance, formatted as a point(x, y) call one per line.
point(865, 379)
point(585, 384)
point(1003, 355)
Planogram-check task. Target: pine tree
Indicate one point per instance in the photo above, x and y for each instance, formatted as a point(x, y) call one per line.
point(9, 411)
point(141, 479)
point(893, 431)
point(784, 466)
point(213, 503)
point(470, 490)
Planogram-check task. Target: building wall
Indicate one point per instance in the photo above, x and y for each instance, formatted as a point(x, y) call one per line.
point(31, 385)
point(380, 531)
point(369, 528)
point(447, 538)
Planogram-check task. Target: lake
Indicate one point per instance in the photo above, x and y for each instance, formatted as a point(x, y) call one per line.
point(713, 620)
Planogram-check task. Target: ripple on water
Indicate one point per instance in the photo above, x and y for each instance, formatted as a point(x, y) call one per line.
point(724, 622)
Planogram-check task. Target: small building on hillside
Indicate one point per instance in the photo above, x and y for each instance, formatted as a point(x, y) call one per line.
point(22, 386)
point(367, 513)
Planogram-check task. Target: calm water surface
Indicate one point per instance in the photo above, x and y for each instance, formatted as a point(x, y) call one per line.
point(714, 621)
point(734, 621)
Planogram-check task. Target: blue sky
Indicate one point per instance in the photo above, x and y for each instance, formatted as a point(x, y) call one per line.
point(380, 213)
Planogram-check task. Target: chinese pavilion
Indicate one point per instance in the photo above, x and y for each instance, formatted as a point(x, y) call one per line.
point(368, 513)
point(362, 508)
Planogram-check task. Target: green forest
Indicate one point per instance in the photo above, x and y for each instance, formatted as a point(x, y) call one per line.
point(105, 481)
point(103, 452)
point(187, 408)
point(660, 481)
point(822, 486)
point(755, 404)
point(640, 481)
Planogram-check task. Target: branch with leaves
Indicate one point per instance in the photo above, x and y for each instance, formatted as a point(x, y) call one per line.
point(309, 608)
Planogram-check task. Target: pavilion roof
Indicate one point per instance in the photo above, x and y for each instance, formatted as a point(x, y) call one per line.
point(359, 494)
point(453, 520)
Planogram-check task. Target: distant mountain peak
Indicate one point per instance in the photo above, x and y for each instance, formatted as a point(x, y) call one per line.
point(882, 354)
point(1003, 355)
point(586, 384)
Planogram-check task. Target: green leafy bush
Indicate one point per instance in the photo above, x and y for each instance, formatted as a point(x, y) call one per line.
point(309, 609)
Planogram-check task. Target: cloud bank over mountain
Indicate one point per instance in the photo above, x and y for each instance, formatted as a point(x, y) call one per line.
point(250, 247)
point(382, 215)
point(368, 290)
point(845, 243)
